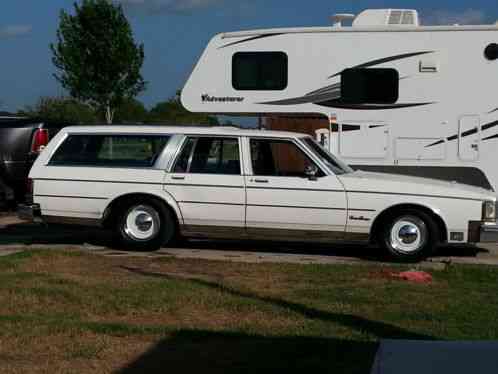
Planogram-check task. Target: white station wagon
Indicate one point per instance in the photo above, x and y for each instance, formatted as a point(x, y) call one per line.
point(155, 184)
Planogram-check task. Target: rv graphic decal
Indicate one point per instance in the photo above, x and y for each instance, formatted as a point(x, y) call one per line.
point(338, 104)
point(384, 60)
point(330, 96)
point(250, 39)
point(467, 133)
point(225, 99)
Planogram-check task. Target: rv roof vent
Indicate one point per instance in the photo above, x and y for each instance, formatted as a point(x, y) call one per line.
point(386, 17)
point(337, 19)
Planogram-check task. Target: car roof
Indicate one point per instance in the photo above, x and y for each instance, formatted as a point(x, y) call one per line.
point(189, 130)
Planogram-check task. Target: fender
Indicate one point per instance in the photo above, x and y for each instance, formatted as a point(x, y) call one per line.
point(165, 196)
point(441, 222)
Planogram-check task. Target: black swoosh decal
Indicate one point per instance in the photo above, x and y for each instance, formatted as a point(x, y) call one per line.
point(345, 128)
point(384, 60)
point(467, 133)
point(324, 96)
point(330, 95)
point(250, 39)
point(491, 137)
point(339, 105)
point(494, 110)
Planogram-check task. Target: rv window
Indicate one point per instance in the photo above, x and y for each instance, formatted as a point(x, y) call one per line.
point(369, 86)
point(259, 71)
point(109, 150)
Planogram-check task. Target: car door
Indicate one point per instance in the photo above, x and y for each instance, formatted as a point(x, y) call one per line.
point(207, 182)
point(282, 201)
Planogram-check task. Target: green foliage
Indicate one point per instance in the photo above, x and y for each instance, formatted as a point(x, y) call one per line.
point(97, 58)
point(172, 111)
point(131, 110)
point(67, 109)
point(61, 109)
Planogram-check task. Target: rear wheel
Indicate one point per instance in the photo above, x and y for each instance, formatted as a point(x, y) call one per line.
point(409, 236)
point(144, 225)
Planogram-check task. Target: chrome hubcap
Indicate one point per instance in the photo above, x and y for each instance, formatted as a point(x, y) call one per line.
point(408, 234)
point(142, 223)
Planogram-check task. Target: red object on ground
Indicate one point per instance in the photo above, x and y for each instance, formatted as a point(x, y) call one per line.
point(414, 276)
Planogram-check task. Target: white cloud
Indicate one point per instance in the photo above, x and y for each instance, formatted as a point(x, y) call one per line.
point(447, 17)
point(169, 6)
point(14, 31)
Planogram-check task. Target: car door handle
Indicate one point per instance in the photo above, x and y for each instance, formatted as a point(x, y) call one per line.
point(261, 181)
point(178, 177)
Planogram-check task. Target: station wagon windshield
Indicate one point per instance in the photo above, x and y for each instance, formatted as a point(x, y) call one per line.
point(336, 165)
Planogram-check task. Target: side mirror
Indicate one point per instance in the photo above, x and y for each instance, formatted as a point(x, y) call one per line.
point(311, 171)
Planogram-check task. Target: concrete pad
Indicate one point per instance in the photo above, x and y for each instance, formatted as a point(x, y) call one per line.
point(8, 252)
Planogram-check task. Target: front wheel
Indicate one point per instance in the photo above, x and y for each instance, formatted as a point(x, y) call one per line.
point(410, 236)
point(144, 226)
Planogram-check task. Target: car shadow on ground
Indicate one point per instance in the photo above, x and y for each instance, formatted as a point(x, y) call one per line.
point(40, 234)
point(218, 352)
point(214, 352)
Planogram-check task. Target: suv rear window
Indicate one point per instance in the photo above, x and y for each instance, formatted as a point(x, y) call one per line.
point(109, 150)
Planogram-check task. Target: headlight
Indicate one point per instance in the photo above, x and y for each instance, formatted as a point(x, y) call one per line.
point(489, 211)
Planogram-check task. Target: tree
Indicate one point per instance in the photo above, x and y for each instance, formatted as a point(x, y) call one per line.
point(131, 110)
point(173, 111)
point(61, 109)
point(96, 55)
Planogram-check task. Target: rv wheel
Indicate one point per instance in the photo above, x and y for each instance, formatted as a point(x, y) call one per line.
point(144, 225)
point(409, 236)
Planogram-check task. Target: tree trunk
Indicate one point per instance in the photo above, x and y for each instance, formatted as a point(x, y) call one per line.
point(109, 114)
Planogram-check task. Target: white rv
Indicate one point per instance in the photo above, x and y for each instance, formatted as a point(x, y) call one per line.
point(410, 99)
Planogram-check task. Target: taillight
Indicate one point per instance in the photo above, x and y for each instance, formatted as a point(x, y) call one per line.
point(40, 140)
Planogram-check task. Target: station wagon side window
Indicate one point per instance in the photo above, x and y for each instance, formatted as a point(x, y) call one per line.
point(109, 150)
point(209, 155)
point(279, 158)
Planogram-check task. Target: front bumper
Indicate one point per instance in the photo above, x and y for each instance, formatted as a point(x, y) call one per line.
point(489, 233)
point(483, 232)
point(31, 213)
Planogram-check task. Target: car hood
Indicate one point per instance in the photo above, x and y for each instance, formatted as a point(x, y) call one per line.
point(406, 185)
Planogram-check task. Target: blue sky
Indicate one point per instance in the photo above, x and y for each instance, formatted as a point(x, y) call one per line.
point(176, 31)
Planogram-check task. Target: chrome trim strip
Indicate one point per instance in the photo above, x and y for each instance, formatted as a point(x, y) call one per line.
point(291, 189)
point(94, 181)
point(203, 185)
point(411, 194)
point(209, 203)
point(294, 207)
point(74, 197)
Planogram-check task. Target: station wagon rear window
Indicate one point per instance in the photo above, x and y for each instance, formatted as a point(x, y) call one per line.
point(259, 71)
point(109, 150)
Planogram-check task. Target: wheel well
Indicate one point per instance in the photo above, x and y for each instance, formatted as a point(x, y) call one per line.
point(112, 210)
point(388, 213)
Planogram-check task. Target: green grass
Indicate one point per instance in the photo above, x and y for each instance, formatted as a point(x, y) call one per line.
point(138, 315)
